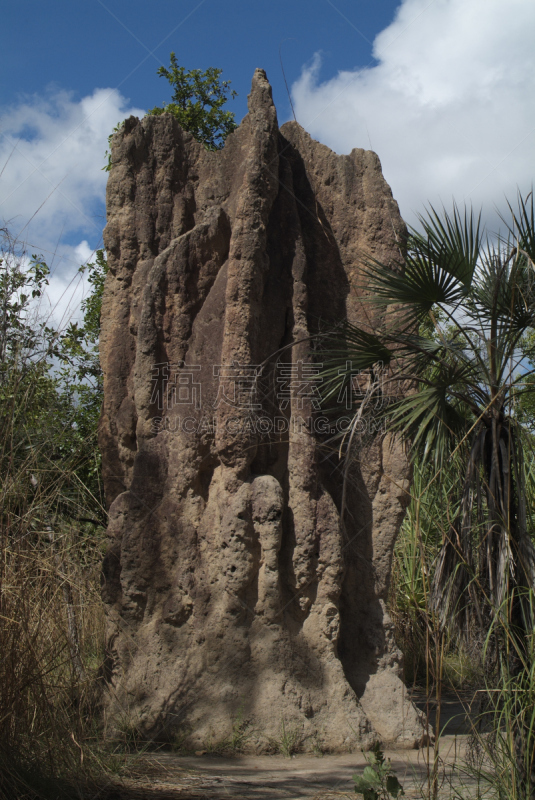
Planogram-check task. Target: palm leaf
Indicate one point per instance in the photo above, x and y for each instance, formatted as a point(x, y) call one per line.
point(348, 351)
point(430, 420)
point(503, 292)
point(423, 283)
point(522, 228)
point(437, 269)
point(453, 240)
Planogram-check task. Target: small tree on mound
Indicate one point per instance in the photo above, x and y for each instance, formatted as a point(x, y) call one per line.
point(197, 103)
point(198, 100)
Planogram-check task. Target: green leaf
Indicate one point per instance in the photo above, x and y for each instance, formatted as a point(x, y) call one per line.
point(393, 786)
point(522, 225)
point(362, 787)
point(452, 241)
point(370, 775)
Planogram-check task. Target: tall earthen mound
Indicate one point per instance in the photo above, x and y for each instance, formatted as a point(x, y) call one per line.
point(235, 591)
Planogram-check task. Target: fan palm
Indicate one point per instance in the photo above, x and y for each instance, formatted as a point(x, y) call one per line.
point(456, 340)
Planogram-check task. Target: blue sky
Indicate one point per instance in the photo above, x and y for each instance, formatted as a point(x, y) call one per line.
point(442, 90)
point(86, 44)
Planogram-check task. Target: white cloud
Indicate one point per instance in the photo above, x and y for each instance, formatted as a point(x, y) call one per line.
point(52, 186)
point(448, 107)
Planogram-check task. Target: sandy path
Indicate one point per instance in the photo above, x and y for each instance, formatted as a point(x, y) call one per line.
point(302, 777)
point(168, 776)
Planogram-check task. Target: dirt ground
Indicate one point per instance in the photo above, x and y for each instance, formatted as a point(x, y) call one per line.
point(168, 776)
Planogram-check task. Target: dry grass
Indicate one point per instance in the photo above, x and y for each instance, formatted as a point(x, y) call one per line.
point(46, 705)
point(51, 631)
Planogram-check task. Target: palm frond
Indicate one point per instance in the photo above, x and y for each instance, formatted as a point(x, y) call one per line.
point(437, 269)
point(522, 227)
point(349, 351)
point(454, 240)
point(503, 292)
point(430, 419)
point(423, 283)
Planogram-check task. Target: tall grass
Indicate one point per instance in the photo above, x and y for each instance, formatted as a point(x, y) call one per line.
point(51, 630)
point(498, 665)
point(430, 653)
point(45, 703)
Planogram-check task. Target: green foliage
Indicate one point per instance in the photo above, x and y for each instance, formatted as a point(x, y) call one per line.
point(22, 337)
point(79, 382)
point(460, 308)
point(415, 551)
point(431, 656)
point(26, 385)
point(197, 103)
point(50, 384)
point(378, 781)
point(78, 346)
point(525, 398)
